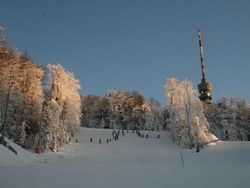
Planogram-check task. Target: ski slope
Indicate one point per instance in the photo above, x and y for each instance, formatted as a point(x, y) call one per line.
point(8, 158)
point(129, 162)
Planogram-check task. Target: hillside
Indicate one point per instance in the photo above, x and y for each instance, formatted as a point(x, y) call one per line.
point(132, 161)
point(23, 157)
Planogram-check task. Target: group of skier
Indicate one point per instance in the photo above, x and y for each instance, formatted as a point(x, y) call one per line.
point(115, 136)
point(143, 136)
point(117, 133)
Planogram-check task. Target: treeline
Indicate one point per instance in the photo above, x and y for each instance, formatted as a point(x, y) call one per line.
point(122, 110)
point(39, 106)
point(229, 118)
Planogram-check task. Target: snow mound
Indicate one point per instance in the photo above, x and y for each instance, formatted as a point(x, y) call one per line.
point(23, 157)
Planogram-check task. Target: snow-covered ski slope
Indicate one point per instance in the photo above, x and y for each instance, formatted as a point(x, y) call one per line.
point(131, 162)
point(8, 158)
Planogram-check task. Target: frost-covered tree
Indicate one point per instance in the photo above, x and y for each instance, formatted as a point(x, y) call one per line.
point(32, 91)
point(118, 109)
point(20, 96)
point(61, 110)
point(188, 123)
point(154, 115)
point(229, 118)
point(95, 112)
point(102, 112)
point(126, 109)
point(26, 116)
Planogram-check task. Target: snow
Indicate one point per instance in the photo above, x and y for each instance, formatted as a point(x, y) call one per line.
point(129, 162)
point(8, 158)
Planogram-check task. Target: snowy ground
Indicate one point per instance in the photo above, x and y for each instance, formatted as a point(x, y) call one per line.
point(129, 162)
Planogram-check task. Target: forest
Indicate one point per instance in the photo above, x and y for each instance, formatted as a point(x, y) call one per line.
point(39, 105)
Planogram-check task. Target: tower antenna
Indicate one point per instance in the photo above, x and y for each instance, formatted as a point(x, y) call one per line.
point(205, 88)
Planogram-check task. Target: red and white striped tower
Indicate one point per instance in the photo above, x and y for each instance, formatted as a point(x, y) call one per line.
point(205, 88)
point(201, 56)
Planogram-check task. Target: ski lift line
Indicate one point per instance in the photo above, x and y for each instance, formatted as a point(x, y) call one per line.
point(188, 115)
point(182, 160)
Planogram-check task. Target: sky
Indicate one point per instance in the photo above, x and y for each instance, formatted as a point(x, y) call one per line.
point(136, 44)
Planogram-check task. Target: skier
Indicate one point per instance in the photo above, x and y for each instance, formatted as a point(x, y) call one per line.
point(158, 136)
point(198, 148)
point(226, 133)
point(91, 140)
point(100, 141)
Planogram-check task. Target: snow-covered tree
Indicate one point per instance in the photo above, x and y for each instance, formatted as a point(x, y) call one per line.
point(21, 96)
point(126, 109)
point(95, 112)
point(62, 108)
point(229, 118)
point(26, 116)
point(188, 123)
point(32, 91)
point(119, 109)
point(154, 115)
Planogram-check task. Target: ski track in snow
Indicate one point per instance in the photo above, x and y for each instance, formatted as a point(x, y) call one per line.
point(129, 162)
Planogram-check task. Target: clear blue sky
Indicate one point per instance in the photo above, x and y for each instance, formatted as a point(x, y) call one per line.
point(136, 44)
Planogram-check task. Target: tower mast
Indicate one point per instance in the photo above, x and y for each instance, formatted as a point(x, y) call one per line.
point(205, 88)
point(201, 56)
